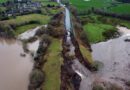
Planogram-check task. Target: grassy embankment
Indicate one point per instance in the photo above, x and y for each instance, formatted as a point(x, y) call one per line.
point(86, 54)
point(53, 66)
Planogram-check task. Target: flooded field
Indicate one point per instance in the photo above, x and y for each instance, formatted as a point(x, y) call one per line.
point(15, 67)
point(115, 56)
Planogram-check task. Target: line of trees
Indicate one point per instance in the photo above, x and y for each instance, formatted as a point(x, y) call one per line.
point(115, 15)
point(125, 1)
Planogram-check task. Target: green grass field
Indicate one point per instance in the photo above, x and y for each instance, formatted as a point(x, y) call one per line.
point(42, 19)
point(121, 8)
point(1, 1)
point(52, 67)
point(107, 5)
point(20, 22)
point(45, 2)
point(95, 25)
point(22, 29)
point(82, 4)
point(94, 31)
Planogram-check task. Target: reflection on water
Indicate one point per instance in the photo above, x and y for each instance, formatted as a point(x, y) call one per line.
point(14, 69)
point(7, 41)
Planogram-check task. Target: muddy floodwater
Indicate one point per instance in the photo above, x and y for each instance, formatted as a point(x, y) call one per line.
point(14, 68)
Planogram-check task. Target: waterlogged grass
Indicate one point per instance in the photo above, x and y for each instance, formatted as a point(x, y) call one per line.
point(94, 31)
point(86, 54)
point(52, 67)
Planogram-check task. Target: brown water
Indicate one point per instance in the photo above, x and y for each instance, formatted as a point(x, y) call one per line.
point(14, 69)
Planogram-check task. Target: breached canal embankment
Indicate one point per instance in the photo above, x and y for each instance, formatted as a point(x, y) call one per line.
point(75, 68)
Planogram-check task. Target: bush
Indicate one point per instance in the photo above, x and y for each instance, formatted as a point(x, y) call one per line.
point(36, 78)
point(46, 38)
point(41, 31)
point(97, 87)
point(114, 87)
point(108, 34)
point(73, 10)
point(128, 83)
point(6, 30)
point(25, 47)
point(105, 85)
point(55, 31)
point(32, 39)
point(97, 65)
point(84, 39)
point(124, 1)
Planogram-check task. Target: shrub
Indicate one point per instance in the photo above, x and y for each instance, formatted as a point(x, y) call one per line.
point(55, 31)
point(97, 65)
point(97, 87)
point(41, 31)
point(113, 86)
point(84, 39)
point(32, 39)
point(25, 47)
point(46, 38)
point(6, 30)
point(128, 83)
point(110, 33)
point(36, 78)
point(73, 10)
point(124, 1)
